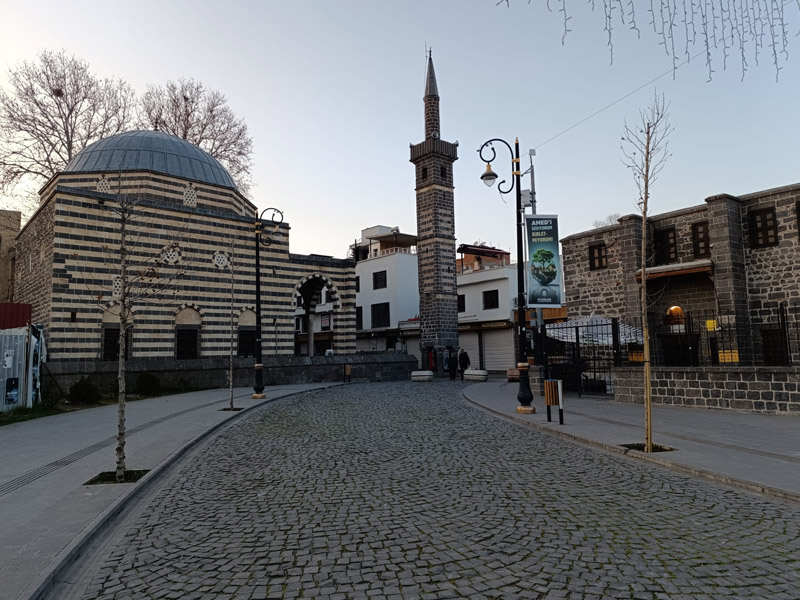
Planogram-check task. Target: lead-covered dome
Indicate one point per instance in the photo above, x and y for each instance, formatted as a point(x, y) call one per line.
point(150, 151)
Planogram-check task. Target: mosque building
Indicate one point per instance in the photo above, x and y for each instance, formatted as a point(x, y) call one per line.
point(191, 253)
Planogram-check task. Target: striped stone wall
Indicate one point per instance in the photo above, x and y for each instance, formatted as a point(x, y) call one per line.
point(200, 241)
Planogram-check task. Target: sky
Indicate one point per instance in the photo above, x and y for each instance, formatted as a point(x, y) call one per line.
point(332, 92)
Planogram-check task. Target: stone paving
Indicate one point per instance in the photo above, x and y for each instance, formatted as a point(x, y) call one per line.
point(401, 491)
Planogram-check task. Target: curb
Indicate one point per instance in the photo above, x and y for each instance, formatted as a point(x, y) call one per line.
point(717, 477)
point(37, 589)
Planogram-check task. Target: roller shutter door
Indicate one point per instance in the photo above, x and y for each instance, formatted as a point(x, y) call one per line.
point(412, 347)
point(468, 341)
point(498, 349)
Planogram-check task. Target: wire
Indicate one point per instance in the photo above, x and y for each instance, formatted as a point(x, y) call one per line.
point(629, 94)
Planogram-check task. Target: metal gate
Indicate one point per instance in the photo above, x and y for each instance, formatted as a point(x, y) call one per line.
point(581, 353)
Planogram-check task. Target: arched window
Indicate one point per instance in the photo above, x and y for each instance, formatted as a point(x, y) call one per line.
point(675, 319)
point(675, 315)
point(247, 333)
point(187, 333)
point(110, 350)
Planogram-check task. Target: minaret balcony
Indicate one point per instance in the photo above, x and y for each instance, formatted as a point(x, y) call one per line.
point(434, 146)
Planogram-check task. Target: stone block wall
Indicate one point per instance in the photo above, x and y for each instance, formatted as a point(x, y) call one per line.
point(33, 277)
point(67, 261)
point(594, 292)
point(9, 228)
point(207, 373)
point(755, 389)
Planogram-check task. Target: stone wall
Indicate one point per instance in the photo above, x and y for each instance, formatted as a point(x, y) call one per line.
point(756, 389)
point(67, 263)
point(33, 273)
point(9, 228)
point(594, 291)
point(205, 373)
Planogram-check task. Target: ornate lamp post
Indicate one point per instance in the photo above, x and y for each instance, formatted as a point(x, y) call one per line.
point(274, 219)
point(524, 396)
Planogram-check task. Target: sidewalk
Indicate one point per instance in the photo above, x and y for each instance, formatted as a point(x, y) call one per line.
point(45, 510)
point(758, 452)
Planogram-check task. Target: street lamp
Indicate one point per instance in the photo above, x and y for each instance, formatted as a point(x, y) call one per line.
point(274, 219)
point(524, 396)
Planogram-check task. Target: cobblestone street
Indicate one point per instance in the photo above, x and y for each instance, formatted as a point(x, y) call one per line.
point(402, 491)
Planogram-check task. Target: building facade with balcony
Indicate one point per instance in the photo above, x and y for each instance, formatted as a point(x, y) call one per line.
point(387, 289)
point(723, 296)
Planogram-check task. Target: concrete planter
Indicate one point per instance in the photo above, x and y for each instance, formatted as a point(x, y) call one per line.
point(476, 375)
point(421, 375)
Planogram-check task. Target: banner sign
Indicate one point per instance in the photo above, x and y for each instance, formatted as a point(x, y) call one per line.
point(544, 262)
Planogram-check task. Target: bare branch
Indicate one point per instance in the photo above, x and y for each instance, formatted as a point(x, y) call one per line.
point(54, 109)
point(187, 109)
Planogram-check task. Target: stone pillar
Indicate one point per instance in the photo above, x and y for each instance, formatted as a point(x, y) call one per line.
point(630, 240)
point(310, 333)
point(726, 237)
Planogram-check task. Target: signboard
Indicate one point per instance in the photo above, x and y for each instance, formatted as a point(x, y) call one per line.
point(544, 261)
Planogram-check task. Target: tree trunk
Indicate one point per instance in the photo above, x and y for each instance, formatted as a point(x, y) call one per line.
point(230, 374)
point(123, 338)
point(648, 415)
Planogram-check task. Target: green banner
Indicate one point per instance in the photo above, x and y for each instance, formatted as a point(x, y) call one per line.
point(544, 262)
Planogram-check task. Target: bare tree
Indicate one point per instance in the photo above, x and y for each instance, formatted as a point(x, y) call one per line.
point(645, 152)
point(55, 108)
point(606, 221)
point(189, 110)
point(143, 276)
point(721, 28)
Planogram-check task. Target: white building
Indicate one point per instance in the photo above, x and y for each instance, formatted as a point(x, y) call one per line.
point(387, 298)
point(486, 299)
point(387, 290)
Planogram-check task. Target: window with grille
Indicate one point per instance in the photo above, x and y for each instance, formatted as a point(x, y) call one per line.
point(462, 303)
point(763, 228)
point(491, 299)
point(187, 342)
point(111, 343)
point(700, 241)
point(247, 341)
point(379, 280)
point(380, 315)
point(665, 246)
point(597, 257)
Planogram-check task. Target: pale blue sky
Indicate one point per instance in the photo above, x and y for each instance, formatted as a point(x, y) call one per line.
point(332, 95)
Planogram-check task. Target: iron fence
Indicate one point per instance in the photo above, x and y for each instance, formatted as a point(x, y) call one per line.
point(700, 338)
point(583, 352)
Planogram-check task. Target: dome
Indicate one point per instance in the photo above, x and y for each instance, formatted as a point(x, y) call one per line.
point(150, 151)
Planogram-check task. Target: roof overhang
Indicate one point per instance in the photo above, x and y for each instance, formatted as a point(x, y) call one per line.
point(398, 238)
point(481, 250)
point(705, 265)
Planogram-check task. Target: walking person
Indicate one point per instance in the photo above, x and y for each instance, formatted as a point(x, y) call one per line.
point(452, 363)
point(463, 362)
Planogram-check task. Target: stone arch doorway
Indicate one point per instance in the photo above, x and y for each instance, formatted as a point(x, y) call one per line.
point(317, 307)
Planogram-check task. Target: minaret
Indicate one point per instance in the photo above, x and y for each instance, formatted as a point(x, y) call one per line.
point(436, 242)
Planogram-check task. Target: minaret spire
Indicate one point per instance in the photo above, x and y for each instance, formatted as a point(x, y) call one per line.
point(431, 100)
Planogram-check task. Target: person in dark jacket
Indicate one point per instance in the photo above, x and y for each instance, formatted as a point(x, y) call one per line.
point(463, 362)
point(452, 363)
